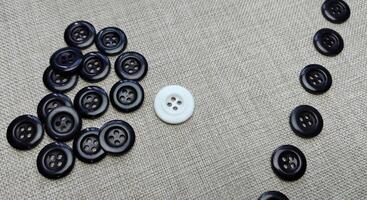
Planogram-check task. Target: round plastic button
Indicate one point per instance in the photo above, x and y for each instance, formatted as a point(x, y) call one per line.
point(273, 195)
point(55, 160)
point(288, 163)
point(50, 102)
point(116, 137)
point(95, 67)
point(80, 34)
point(127, 96)
point(335, 11)
point(111, 41)
point(86, 146)
point(57, 82)
point(25, 132)
point(66, 60)
point(131, 66)
point(91, 102)
point(315, 79)
point(174, 104)
point(306, 121)
point(328, 42)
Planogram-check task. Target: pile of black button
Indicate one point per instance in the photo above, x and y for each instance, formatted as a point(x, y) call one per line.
point(62, 119)
point(288, 162)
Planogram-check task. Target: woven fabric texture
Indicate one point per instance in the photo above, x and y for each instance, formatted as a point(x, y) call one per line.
point(240, 59)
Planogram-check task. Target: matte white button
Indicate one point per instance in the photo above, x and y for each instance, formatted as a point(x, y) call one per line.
point(174, 104)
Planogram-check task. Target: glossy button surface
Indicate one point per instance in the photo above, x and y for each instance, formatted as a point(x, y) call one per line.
point(315, 79)
point(335, 11)
point(80, 34)
point(66, 60)
point(86, 146)
point(131, 66)
point(57, 82)
point(273, 195)
point(328, 42)
point(306, 121)
point(111, 41)
point(127, 96)
point(95, 67)
point(91, 102)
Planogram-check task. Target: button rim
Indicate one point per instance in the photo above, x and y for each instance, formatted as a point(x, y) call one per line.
point(270, 195)
point(42, 114)
point(85, 113)
point(321, 49)
point(307, 86)
point(293, 120)
point(136, 76)
point(331, 18)
point(130, 107)
point(54, 87)
point(81, 45)
point(84, 157)
point(64, 69)
point(111, 51)
point(100, 76)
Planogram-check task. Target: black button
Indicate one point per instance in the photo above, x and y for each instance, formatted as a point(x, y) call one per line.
point(80, 34)
point(25, 132)
point(86, 146)
point(66, 60)
point(131, 66)
point(335, 11)
point(315, 79)
point(288, 163)
point(111, 41)
point(95, 67)
point(127, 96)
point(328, 42)
point(116, 137)
point(91, 102)
point(273, 195)
point(57, 82)
point(306, 121)
point(63, 123)
point(50, 102)
point(55, 160)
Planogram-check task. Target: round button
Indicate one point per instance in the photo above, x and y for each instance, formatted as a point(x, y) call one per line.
point(86, 146)
point(335, 11)
point(288, 163)
point(55, 160)
point(315, 79)
point(25, 132)
point(127, 96)
point(174, 104)
point(63, 123)
point(66, 60)
point(328, 42)
point(111, 41)
point(57, 82)
point(80, 34)
point(50, 102)
point(273, 195)
point(95, 67)
point(306, 121)
point(131, 66)
point(116, 137)
point(91, 102)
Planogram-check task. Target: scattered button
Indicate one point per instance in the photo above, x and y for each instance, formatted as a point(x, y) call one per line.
point(80, 34)
point(63, 123)
point(66, 60)
point(315, 79)
point(50, 102)
point(111, 41)
point(306, 121)
point(335, 11)
point(55, 160)
point(57, 82)
point(273, 195)
point(95, 67)
point(86, 146)
point(91, 102)
point(174, 104)
point(116, 137)
point(127, 96)
point(131, 66)
point(25, 132)
point(328, 42)
point(288, 163)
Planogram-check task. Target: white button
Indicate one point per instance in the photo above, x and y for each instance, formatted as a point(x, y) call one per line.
point(174, 104)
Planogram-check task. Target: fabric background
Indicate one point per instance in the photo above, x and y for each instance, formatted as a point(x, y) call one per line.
point(240, 59)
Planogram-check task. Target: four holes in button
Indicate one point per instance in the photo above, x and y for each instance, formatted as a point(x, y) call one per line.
point(336, 9)
point(91, 101)
point(63, 122)
point(58, 78)
point(55, 160)
point(116, 137)
point(316, 78)
point(111, 39)
point(93, 66)
point(131, 65)
point(127, 95)
point(329, 40)
point(307, 120)
point(174, 103)
point(90, 145)
point(25, 131)
point(79, 34)
point(288, 161)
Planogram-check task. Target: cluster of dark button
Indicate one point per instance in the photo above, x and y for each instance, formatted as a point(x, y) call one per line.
point(288, 162)
point(62, 119)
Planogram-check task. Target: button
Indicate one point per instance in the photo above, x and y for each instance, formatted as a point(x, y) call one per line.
point(25, 132)
point(116, 137)
point(66, 60)
point(111, 41)
point(86, 146)
point(57, 82)
point(91, 102)
point(315, 79)
point(50, 102)
point(306, 121)
point(131, 66)
point(95, 67)
point(174, 104)
point(273, 195)
point(80, 34)
point(127, 96)
point(328, 42)
point(288, 163)
point(335, 11)
point(55, 160)
point(63, 123)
